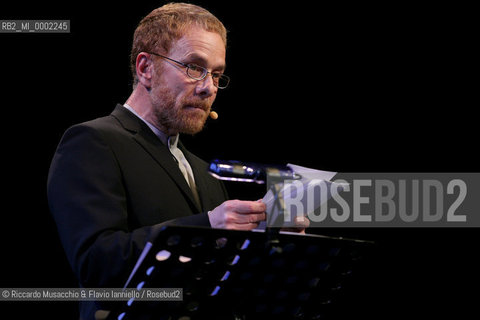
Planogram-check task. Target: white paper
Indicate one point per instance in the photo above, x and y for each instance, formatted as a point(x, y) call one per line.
point(285, 192)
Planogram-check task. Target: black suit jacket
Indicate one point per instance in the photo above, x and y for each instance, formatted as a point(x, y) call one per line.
point(112, 184)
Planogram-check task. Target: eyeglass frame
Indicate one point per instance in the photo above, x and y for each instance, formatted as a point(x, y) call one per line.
point(205, 72)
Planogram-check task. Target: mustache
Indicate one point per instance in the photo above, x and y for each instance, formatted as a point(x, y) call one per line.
point(198, 104)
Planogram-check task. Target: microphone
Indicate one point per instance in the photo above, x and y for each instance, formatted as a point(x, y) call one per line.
point(213, 115)
point(232, 170)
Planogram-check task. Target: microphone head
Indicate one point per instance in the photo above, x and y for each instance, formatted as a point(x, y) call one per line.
point(213, 115)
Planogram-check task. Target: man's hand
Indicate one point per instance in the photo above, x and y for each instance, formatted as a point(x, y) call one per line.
point(301, 223)
point(237, 215)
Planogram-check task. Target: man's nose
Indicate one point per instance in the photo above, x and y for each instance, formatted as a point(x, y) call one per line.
point(205, 87)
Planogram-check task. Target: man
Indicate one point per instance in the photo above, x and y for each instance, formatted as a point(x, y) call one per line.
point(116, 180)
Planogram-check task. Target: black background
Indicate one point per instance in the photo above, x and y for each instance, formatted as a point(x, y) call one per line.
point(348, 88)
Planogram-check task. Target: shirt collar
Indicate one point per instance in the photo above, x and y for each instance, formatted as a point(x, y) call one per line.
point(171, 141)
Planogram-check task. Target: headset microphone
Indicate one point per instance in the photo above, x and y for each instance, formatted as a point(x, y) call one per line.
point(213, 115)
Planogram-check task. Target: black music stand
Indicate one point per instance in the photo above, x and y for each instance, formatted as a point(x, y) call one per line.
point(245, 275)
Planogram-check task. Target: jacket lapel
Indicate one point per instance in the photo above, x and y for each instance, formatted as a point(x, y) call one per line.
point(152, 145)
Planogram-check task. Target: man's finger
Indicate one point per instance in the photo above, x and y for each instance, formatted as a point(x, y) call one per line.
point(251, 217)
point(302, 222)
point(246, 206)
point(245, 226)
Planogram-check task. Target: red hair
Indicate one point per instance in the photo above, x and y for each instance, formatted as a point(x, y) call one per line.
point(168, 23)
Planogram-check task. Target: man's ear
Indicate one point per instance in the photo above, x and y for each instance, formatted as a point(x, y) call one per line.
point(144, 69)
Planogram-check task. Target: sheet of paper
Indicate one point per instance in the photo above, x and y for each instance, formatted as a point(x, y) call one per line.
point(289, 191)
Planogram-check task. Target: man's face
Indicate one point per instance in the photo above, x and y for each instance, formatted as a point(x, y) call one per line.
point(182, 104)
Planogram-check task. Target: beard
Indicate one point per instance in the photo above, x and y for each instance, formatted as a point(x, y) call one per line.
point(179, 115)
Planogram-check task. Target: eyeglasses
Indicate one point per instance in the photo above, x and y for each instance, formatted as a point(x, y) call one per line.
point(199, 73)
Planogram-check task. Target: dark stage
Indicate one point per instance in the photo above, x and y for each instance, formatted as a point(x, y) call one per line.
point(346, 88)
